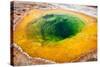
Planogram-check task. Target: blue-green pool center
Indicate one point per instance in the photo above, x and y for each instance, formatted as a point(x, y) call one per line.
point(55, 27)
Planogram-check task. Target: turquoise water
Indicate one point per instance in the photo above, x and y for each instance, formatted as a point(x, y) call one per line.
point(55, 27)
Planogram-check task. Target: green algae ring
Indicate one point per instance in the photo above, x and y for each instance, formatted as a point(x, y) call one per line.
point(55, 27)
